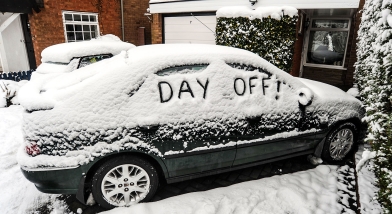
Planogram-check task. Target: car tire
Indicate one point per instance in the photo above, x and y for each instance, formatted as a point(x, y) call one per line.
point(111, 187)
point(339, 143)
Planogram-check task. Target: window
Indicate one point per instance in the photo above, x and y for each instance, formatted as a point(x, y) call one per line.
point(80, 26)
point(327, 42)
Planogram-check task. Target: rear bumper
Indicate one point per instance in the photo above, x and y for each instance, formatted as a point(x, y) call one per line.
point(56, 180)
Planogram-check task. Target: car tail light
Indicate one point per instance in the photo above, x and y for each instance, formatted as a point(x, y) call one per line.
point(33, 149)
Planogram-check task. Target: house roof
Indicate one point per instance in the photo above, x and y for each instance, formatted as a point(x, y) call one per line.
point(20, 6)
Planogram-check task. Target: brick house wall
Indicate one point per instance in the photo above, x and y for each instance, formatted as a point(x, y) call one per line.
point(296, 66)
point(156, 29)
point(47, 26)
point(134, 21)
point(343, 79)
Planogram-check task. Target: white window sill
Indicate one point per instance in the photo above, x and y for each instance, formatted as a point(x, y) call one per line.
point(325, 66)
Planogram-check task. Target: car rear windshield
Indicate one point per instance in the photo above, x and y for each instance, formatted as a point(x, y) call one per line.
point(182, 69)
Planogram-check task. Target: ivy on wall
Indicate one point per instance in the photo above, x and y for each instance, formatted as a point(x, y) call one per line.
point(270, 38)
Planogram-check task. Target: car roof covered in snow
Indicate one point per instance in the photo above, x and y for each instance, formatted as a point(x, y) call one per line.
point(127, 69)
point(64, 52)
point(168, 55)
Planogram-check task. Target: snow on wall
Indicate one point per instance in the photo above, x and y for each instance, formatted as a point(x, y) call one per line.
point(108, 106)
point(260, 12)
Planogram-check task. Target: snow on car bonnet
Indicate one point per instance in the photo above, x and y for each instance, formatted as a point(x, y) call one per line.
point(182, 88)
point(64, 52)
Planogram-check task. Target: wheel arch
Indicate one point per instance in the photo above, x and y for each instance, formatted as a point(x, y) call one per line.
point(85, 184)
point(358, 126)
point(354, 120)
point(355, 124)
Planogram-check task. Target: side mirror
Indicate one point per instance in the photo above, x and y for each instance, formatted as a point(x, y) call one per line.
point(305, 96)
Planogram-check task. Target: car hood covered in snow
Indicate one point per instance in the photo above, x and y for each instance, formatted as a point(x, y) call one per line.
point(332, 103)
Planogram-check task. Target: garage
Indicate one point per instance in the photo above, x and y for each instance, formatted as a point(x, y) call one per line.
point(189, 29)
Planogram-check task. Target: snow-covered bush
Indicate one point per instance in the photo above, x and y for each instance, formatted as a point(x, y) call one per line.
point(374, 77)
point(266, 31)
point(9, 91)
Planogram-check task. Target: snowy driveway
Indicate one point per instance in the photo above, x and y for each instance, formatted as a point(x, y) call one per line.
point(324, 189)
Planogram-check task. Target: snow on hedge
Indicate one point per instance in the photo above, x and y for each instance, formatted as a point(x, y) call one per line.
point(9, 92)
point(269, 32)
point(64, 52)
point(79, 116)
point(373, 74)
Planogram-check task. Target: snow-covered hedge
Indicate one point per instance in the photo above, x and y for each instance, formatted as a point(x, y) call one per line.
point(374, 77)
point(266, 31)
point(9, 92)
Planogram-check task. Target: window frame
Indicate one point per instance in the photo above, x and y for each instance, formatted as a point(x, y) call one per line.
point(65, 22)
point(306, 43)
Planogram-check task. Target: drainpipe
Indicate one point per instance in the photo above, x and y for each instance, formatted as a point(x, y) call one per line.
point(122, 20)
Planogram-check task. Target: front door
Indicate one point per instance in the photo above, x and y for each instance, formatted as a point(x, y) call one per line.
point(12, 44)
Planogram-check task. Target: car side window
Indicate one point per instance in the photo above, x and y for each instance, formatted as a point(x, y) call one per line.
point(87, 60)
point(247, 67)
point(182, 69)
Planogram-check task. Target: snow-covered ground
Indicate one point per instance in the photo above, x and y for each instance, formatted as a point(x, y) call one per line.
point(366, 183)
point(17, 194)
point(312, 191)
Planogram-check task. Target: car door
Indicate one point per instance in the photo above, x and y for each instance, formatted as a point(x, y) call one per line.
point(275, 123)
point(186, 125)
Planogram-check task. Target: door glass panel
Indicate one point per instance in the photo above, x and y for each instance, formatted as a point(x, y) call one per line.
point(320, 23)
point(327, 47)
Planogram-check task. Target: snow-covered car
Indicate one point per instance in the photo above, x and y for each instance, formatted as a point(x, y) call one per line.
point(167, 113)
point(67, 57)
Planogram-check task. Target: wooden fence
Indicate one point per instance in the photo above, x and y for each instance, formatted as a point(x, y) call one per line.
point(16, 76)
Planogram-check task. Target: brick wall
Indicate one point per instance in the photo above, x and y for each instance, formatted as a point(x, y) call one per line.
point(134, 19)
point(340, 78)
point(47, 26)
point(156, 29)
point(295, 69)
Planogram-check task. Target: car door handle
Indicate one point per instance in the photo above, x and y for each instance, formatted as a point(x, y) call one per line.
point(150, 128)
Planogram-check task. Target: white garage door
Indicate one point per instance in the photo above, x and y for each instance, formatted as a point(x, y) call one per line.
point(190, 29)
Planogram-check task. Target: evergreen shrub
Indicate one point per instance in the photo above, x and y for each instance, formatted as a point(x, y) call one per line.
point(373, 75)
point(270, 38)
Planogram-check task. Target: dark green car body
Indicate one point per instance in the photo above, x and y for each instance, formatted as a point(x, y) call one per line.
point(179, 167)
point(205, 115)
